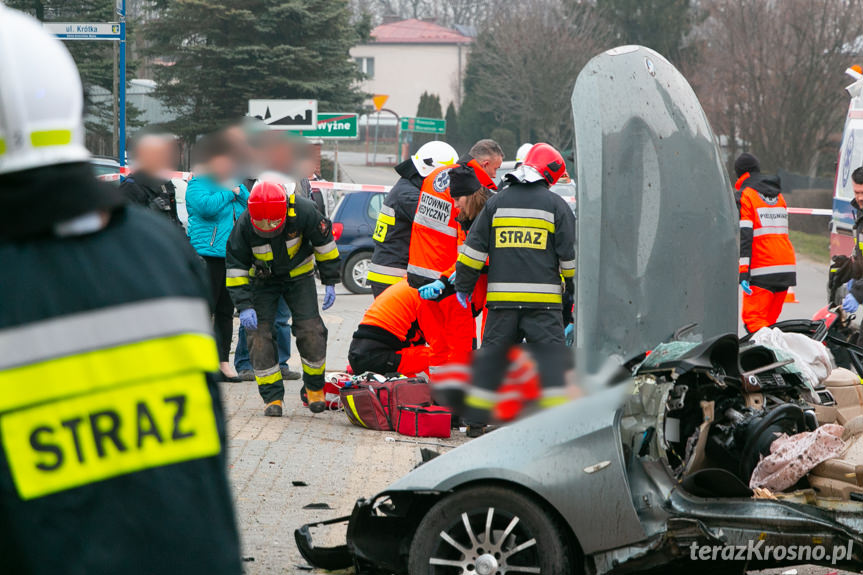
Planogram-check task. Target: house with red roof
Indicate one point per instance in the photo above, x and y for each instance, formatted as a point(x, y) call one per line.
point(408, 57)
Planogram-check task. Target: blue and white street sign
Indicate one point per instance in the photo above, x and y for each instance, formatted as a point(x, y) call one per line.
point(85, 30)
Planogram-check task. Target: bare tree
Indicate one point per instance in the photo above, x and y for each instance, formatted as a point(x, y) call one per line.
point(525, 62)
point(771, 76)
point(444, 12)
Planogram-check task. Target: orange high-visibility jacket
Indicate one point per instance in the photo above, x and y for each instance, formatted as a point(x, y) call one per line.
point(397, 310)
point(766, 254)
point(435, 232)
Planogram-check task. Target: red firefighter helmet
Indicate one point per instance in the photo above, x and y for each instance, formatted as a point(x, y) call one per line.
point(268, 208)
point(546, 160)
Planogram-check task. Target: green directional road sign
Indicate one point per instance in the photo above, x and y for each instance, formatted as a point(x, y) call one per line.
point(425, 125)
point(334, 126)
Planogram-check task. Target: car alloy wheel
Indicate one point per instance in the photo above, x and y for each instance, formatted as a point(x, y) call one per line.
point(361, 269)
point(490, 543)
point(490, 530)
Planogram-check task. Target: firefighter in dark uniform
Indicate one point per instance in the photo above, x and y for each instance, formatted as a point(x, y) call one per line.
point(112, 434)
point(392, 234)
point(527, 232)
point(272, 253)
point(849, 270)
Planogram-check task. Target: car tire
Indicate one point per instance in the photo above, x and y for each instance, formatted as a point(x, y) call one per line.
point(354, 276)
point(442, 543)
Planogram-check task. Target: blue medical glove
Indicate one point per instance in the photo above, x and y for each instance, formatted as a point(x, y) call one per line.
point(463, 298)
point(452, 279)
point(329, 297)
point(249, 319)
point(746, 289)
point(849, 284)
point(432, 290)
point(849, 304)
point(569, 333)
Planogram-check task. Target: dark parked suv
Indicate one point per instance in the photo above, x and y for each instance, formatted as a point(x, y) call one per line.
point(353, 225)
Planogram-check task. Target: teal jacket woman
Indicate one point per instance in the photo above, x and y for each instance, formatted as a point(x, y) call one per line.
point(213, 209)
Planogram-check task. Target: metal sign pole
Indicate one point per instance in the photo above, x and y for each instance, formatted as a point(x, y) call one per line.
point(336, 163)
point(122, 119)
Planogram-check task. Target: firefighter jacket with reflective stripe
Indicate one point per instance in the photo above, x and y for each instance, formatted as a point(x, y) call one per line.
point(395, 317)
point(528, 235)
point(435, 233)
point(392, 233)
point(766, 254)
point(305, 239)
point(111, 429)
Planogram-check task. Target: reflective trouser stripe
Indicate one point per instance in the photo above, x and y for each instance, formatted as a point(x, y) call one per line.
point(523, 223)
point(552, 397)
point(524, 297)
point(382, 279)
point(772, 270)
point(268, 376)
point(385, 274)
point(567, 268)
point(746, 223)
point(424, 272)
point(481, 399)
point(305, 267)
point(314, 367)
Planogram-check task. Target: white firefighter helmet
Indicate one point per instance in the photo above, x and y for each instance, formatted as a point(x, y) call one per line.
point(521, 153)
point(433, 155)
point(41, 99)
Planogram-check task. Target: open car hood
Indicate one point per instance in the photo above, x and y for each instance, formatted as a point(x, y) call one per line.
point(657, 224)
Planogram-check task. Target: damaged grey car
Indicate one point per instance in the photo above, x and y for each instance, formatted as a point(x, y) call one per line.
point(653, 467)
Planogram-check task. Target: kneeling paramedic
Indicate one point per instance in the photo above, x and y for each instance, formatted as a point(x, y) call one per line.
point(112, 433)
point(271, 254)
point(391, 337)
point(527, 233)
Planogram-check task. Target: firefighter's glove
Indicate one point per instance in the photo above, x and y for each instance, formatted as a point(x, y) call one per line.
point(262, 269)
point(329, 297)
point(432, 290)
point(745, 286)
point(249, 319)
point(849, 304)
point(569, 334)
point(463, 298)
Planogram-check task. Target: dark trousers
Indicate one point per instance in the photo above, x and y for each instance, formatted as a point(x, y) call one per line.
point(372, 355)
point(377, 289)
point(308, 327)
point(223, 307)
point(542, 329)
point(281, 333)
